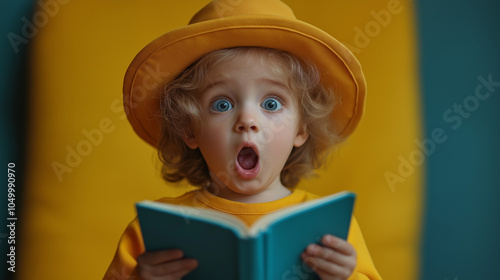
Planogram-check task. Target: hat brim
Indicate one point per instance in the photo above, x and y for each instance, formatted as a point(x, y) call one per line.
point(166, 57)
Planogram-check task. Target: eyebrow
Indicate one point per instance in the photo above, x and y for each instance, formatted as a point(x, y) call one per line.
point(213, 84)
point(267, 80)
point(275, 82)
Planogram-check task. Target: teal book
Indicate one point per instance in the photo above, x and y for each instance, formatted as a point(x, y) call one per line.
point(226, 249)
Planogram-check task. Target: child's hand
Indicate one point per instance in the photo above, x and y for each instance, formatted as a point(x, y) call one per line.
point(335, 260)
point(166, 265)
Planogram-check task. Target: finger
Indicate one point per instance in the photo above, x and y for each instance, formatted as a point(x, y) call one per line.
point(338, 244)
point(326, 269)
point(181, 273)
point(157, 257)
point(330, 255)
point(172, 267)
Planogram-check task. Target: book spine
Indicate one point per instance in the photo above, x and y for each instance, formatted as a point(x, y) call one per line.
point(251, 258)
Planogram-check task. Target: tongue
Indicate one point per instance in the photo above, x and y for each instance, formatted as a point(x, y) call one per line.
point(247, 158)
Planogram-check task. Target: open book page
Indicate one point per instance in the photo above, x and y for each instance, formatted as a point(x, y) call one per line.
point(264, 222)
point(235, 224)
point(287, 235)
point(225, 249)
point(201, 214)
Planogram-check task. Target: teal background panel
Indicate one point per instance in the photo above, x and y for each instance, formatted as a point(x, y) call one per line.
point(13, 101)
point(459, 44)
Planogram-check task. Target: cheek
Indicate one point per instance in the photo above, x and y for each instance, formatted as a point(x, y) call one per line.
point(280, 134)
point(280, 141)
point(283, 127)
point(280, 123)
point(215, 133)
point(213, 141)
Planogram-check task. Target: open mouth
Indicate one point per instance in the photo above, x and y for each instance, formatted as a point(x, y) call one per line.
point(247, 162)
point(247, 158)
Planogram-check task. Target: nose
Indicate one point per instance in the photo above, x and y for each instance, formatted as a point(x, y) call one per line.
point(247, 121)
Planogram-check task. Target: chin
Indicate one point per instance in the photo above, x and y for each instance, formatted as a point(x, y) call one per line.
point(247, 190)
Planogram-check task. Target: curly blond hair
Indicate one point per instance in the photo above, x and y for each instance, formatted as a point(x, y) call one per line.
point(180, 110)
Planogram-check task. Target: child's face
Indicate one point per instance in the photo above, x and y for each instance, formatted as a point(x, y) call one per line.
point(250, 123)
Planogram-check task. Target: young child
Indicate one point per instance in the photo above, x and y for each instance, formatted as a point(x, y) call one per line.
point(243, 102)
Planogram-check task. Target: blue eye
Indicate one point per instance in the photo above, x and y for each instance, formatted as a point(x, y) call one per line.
point(221, 105)
point(271, 104)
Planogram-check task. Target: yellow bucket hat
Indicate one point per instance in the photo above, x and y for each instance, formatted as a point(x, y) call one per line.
point(236, 23)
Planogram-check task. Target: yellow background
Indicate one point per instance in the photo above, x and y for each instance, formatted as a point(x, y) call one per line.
point(72, 226)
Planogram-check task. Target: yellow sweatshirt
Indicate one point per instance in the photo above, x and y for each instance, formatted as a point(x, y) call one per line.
point(131, 246)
